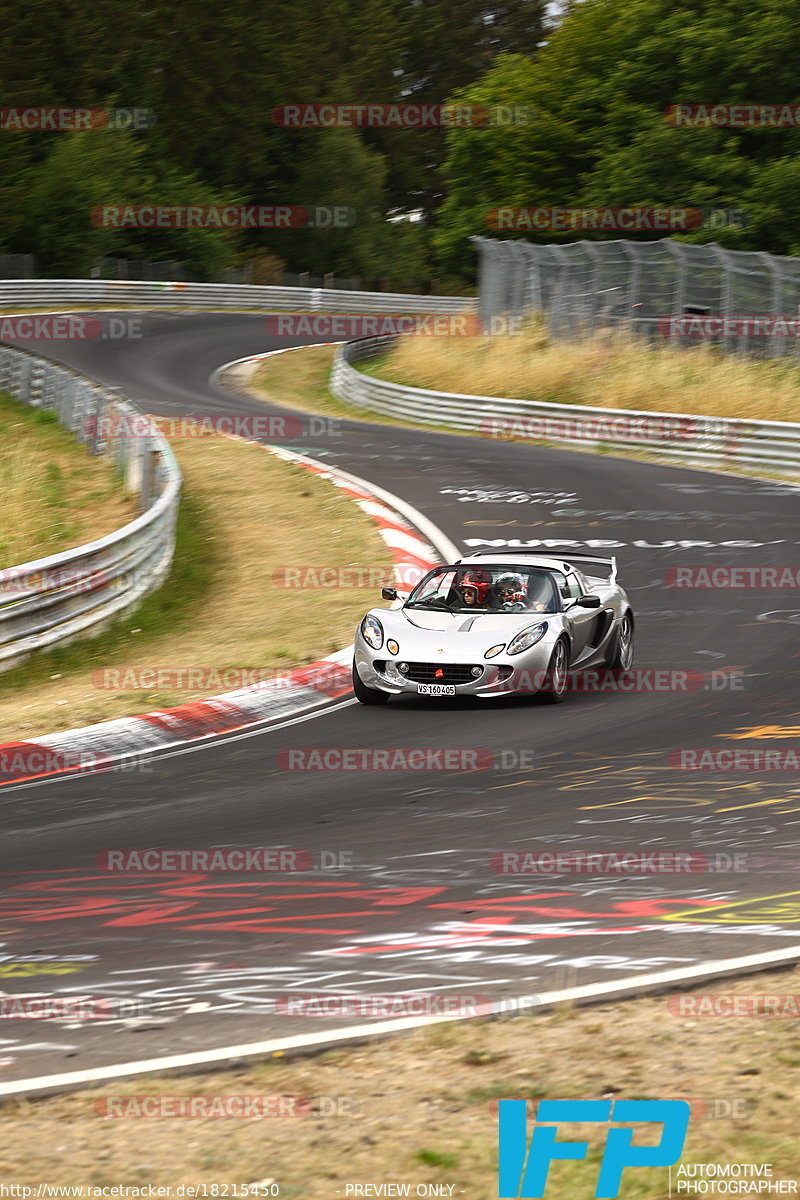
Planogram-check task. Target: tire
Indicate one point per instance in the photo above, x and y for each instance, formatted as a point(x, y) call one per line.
point(621, 657)
point(364, 694)
point(554, 690)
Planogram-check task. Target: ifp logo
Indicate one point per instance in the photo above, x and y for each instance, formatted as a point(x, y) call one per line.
point(523, 1170)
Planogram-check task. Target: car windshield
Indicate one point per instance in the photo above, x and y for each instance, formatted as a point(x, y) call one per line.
point(486, 589)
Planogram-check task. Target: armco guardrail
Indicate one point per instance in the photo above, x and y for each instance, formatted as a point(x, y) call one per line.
point(57, 598)
point(705, 440)
point(57, 293)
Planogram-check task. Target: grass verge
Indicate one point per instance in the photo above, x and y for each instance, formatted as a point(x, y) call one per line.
point(245, 516)
point(606, 370)
point(421, 1108)
point(301, 380)
point(55, 494)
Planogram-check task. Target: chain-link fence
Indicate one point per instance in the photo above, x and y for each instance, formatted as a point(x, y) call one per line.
point(665, 290)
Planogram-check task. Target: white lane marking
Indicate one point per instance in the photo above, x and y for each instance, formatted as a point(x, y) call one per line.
point(594, 991)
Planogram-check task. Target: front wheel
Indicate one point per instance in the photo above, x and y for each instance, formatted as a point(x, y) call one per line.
point(554, 690)
point(621, 657)
point(367, 695)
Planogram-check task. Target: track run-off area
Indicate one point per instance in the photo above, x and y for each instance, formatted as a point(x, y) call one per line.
point(418, 897)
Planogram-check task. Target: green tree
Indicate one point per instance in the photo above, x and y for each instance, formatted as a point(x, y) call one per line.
point(773, 203)
point(341, 172)
point(213, 74)
point(14, 168)
point(599, 91)
point(86, 171)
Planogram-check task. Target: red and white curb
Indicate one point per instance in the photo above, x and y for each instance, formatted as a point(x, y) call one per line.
point(416, 546)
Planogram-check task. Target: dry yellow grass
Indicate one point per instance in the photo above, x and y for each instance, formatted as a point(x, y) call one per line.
point(608, 371)
point(299, 380)
point(55, 495)
point(261, 515)
point(423, 1105)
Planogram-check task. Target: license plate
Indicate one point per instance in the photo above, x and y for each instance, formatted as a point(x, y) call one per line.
point(436, 689)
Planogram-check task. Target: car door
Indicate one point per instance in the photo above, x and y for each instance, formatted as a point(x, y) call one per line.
point(580, 620)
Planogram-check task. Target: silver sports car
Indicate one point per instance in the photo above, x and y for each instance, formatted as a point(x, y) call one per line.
point(498, 622)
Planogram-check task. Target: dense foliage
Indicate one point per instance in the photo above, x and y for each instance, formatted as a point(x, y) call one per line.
point(599, 136)
point(594, 90)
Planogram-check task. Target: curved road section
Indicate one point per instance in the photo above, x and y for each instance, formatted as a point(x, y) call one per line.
point(486, 876)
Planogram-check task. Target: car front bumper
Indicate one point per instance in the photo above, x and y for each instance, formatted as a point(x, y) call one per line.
point(501, 677)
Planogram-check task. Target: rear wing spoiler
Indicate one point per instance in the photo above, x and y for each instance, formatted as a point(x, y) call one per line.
point(589, 560)
point(568, 555)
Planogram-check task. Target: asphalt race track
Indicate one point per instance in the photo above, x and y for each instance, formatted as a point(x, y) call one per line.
point(423, 908)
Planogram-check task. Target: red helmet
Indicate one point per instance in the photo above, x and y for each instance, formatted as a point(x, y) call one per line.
point(480, 580)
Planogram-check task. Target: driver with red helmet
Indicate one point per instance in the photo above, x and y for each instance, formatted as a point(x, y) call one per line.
point(474, 588)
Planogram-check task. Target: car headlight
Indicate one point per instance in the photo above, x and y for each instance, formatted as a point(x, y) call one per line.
point(495, 650)
point(392, 647)
point(372, 632)
point(527, 638)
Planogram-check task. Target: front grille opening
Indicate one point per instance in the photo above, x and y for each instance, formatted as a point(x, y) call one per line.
point(450, 673)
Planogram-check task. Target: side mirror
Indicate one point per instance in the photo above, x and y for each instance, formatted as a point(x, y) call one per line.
point(389, 593)
point(589, 602)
